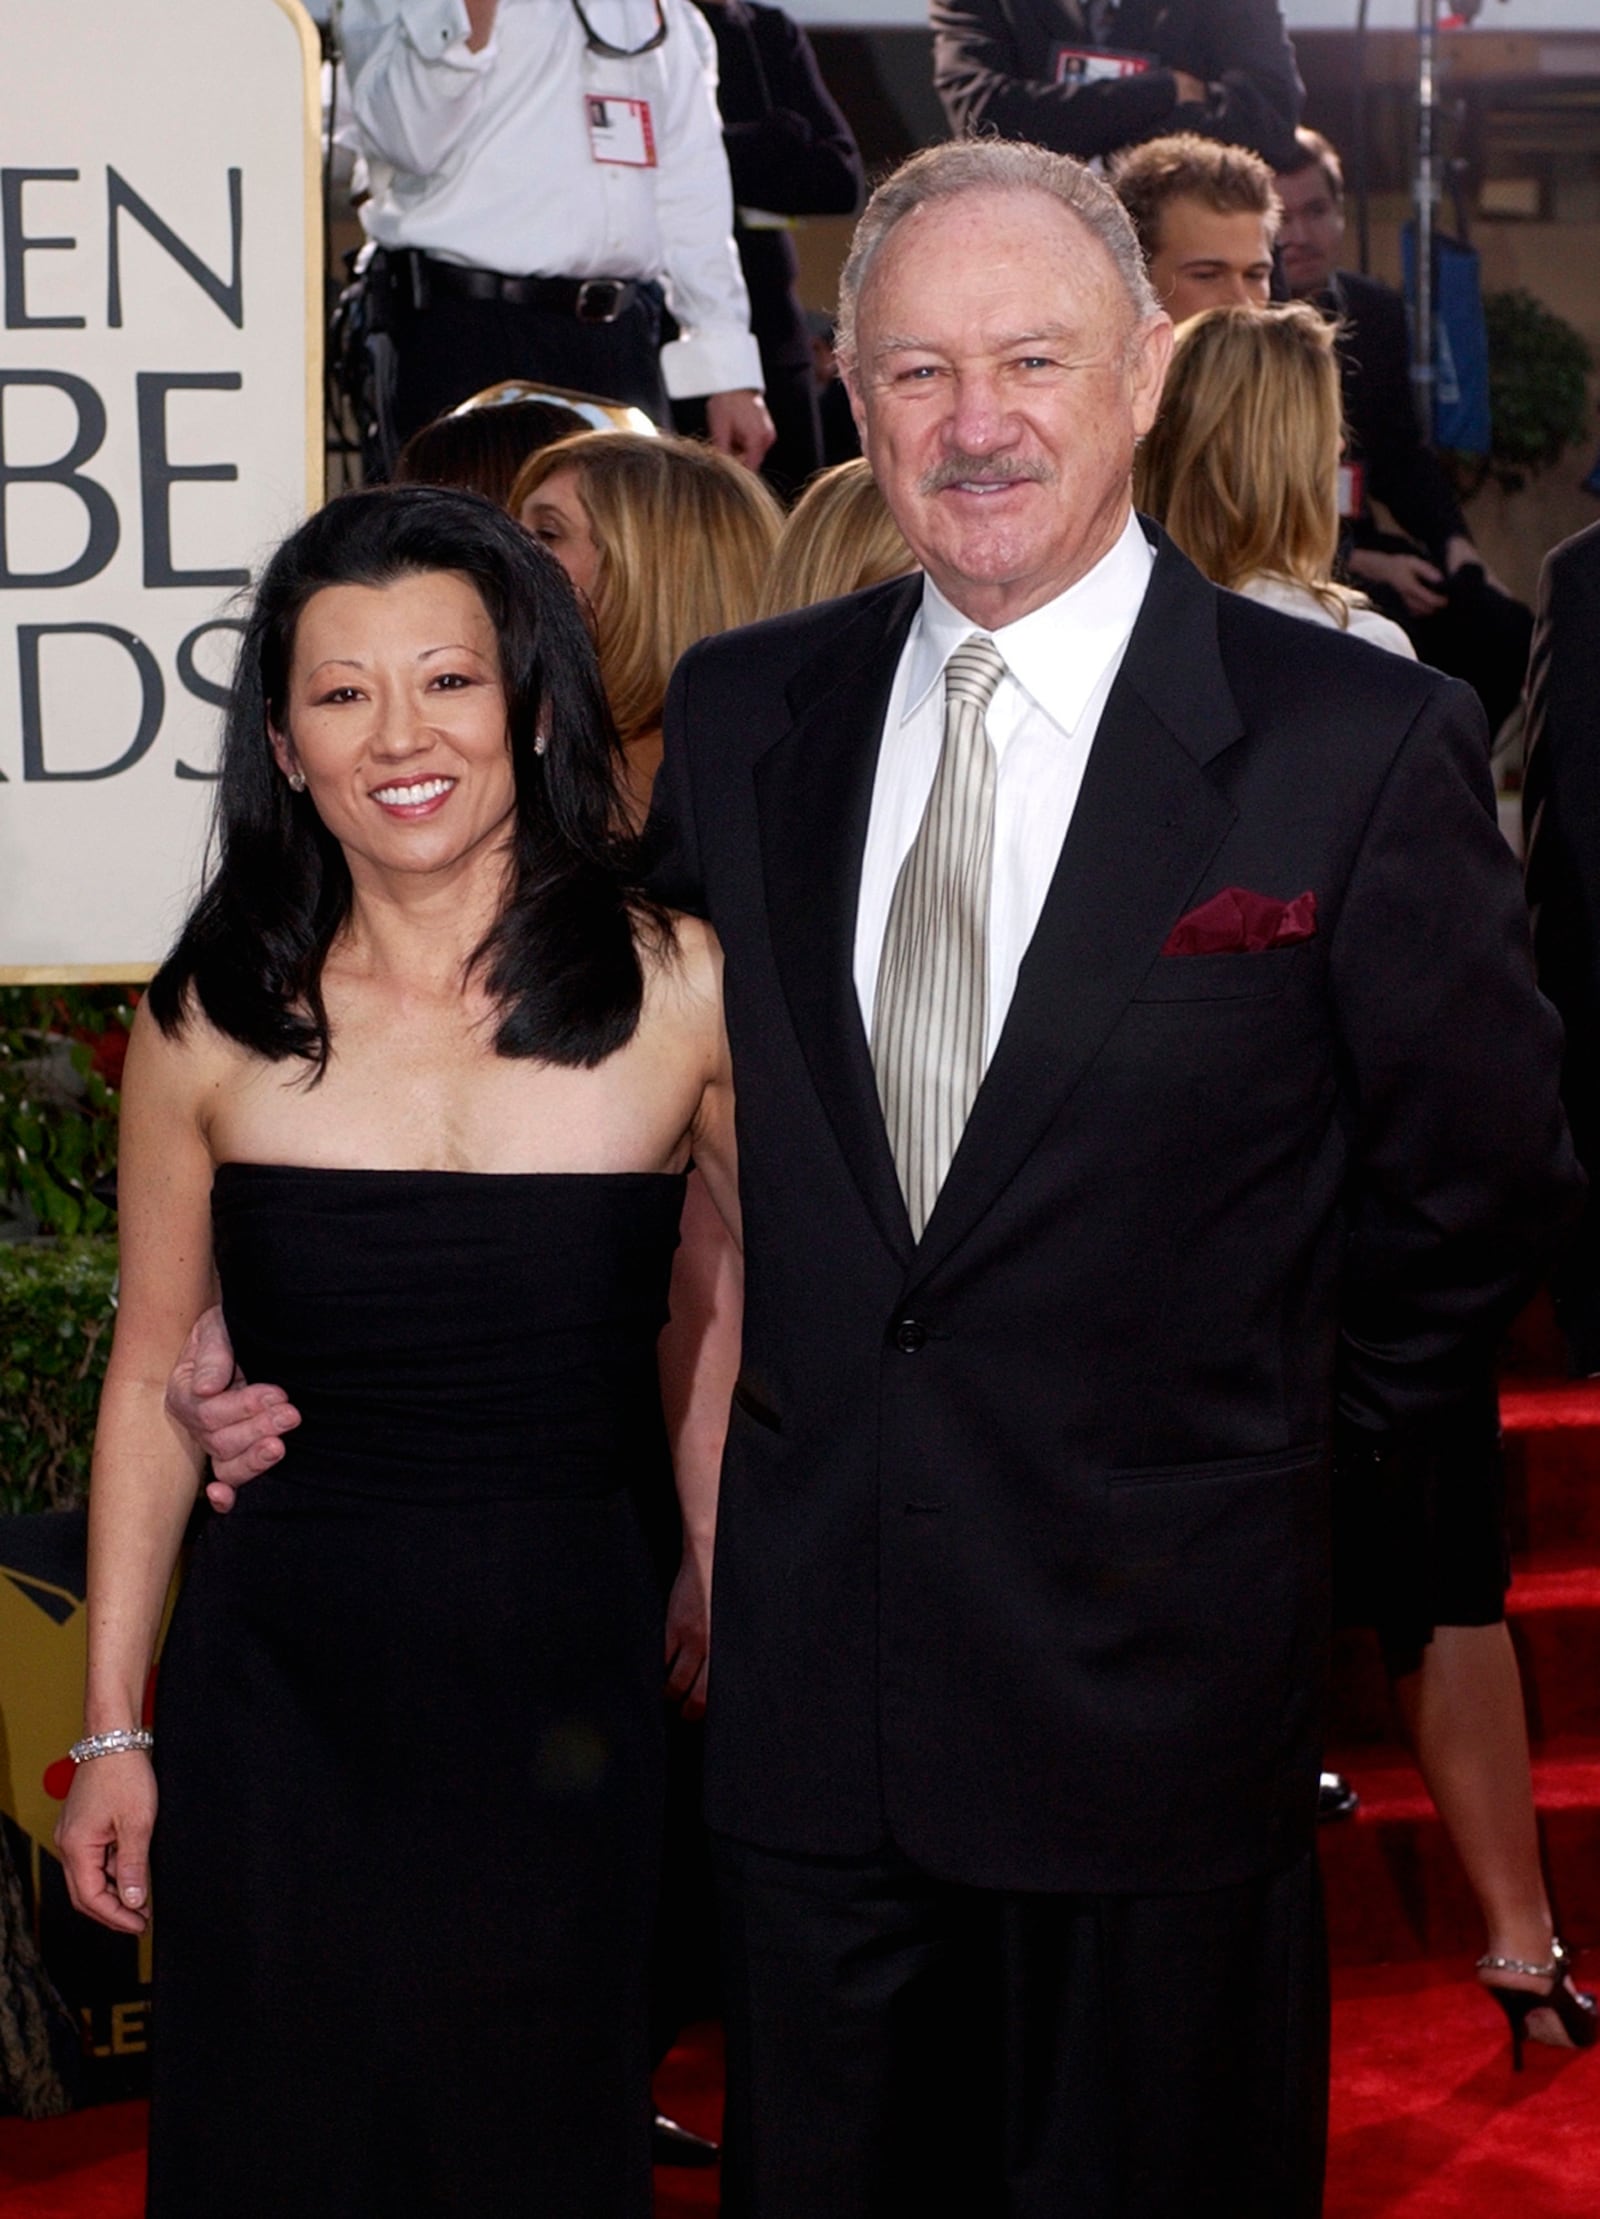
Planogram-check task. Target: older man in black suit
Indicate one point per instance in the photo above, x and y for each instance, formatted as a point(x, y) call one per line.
point(1128, 988)
point(1140, 1069)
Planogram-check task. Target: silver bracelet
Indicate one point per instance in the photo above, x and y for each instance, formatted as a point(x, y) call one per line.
point(112, 1744)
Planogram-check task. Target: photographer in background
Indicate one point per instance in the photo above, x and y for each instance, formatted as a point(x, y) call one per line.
point(791, 153)
point(1088, 77)
point(543, 174)
point(1428, 575)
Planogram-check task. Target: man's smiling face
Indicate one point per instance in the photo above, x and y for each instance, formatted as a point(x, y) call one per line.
point(1000, 384)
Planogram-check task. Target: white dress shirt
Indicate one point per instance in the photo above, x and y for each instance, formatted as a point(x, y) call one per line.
point(485, 159)
point(1060, 664)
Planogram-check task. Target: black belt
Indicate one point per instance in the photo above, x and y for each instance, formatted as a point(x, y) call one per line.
point(590, 300)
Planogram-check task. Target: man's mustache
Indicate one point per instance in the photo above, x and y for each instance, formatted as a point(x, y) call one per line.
point(961, 469)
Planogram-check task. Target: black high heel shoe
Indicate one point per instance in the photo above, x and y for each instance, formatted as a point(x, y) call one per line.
point(1572, 2006)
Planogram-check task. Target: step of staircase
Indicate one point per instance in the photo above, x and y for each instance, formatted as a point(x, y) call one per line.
point(1554, 1614)
point(1395, 1889)
point(1553, 1490)
point(1540, 1403)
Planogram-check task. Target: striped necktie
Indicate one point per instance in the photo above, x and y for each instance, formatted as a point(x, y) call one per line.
point(931, 1012)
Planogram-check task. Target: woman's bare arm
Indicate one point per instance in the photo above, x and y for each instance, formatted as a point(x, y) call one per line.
point(699, 1357)
point(146, 1470)
point(700, 1347)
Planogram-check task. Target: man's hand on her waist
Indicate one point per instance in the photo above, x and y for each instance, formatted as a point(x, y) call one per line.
point(740, 426)
point(240, 1427)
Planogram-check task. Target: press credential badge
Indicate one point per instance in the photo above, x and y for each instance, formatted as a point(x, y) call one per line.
point(620, 131)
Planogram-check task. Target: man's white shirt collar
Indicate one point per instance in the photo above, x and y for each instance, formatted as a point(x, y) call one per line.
point(1058, 653)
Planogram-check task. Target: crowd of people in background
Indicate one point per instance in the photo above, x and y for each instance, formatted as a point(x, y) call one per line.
point(565, 227)
point(684, 301)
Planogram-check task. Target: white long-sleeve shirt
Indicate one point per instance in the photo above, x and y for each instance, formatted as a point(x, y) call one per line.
point(1061, 662)
point(485, 159)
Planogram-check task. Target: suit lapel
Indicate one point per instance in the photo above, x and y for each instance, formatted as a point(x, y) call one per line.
point(813, 800)
point(1147, 822)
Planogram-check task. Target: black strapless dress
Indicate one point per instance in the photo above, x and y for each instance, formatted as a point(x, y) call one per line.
point(409, 1712)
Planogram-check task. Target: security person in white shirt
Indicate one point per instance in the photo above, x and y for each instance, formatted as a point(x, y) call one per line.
point(540, 171)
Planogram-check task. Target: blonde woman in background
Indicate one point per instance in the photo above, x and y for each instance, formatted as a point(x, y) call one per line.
point(1242, 466)
point(1242, 469)
point(838, 538)
point(668, 541)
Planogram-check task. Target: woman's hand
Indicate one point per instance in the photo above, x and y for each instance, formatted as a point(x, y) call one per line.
point(103, 1836)
point(689, 1634)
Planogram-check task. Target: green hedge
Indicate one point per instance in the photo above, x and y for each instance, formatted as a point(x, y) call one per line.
point(57, 1301)
point(1538, 385)
point(61, 1054)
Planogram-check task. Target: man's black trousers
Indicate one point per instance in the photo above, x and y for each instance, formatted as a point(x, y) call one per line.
point(900, 2044)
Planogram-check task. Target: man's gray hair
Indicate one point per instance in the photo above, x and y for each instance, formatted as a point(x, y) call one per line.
point(991, 166)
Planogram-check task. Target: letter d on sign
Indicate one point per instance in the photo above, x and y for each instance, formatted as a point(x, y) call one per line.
point(152, 691)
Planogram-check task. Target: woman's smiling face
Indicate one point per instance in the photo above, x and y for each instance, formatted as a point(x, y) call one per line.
point(396, 719)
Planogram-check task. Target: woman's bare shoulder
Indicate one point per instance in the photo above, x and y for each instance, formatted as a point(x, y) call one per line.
point(185, 1065)
point(683, 970)
point(699, 948)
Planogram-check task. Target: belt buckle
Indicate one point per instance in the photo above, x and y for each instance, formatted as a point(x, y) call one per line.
point(599, 300)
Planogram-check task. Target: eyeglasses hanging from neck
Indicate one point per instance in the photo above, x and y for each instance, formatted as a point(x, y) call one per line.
point(597, 45)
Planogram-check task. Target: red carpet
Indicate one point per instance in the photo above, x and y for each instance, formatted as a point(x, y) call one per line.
point(91, 2166)
point(1428, 2120)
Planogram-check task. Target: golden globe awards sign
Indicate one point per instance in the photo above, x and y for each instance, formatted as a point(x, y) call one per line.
point(160, 429)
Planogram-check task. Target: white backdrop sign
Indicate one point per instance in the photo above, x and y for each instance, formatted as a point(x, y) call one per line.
point(160, 428)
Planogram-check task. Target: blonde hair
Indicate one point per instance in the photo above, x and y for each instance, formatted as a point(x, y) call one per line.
point(838, 537)
point(685, 536)
point(1242, 466)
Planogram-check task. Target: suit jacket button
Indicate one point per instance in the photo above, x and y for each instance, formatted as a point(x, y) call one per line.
point(910, 1334)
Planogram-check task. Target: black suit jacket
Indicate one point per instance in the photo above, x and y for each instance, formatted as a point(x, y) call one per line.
point(1021, 1555)
point(1402, 471)
point(1561, 817)
point(994, 61)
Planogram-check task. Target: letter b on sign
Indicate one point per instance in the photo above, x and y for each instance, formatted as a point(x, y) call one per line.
point(64, 471)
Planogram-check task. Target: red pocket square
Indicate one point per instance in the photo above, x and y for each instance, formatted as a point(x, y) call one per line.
point(1237, 922)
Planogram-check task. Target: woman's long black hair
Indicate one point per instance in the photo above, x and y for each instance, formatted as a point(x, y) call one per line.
point(561, 960)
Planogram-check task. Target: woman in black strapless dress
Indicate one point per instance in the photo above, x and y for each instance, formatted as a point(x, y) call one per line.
point(419, 1084)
